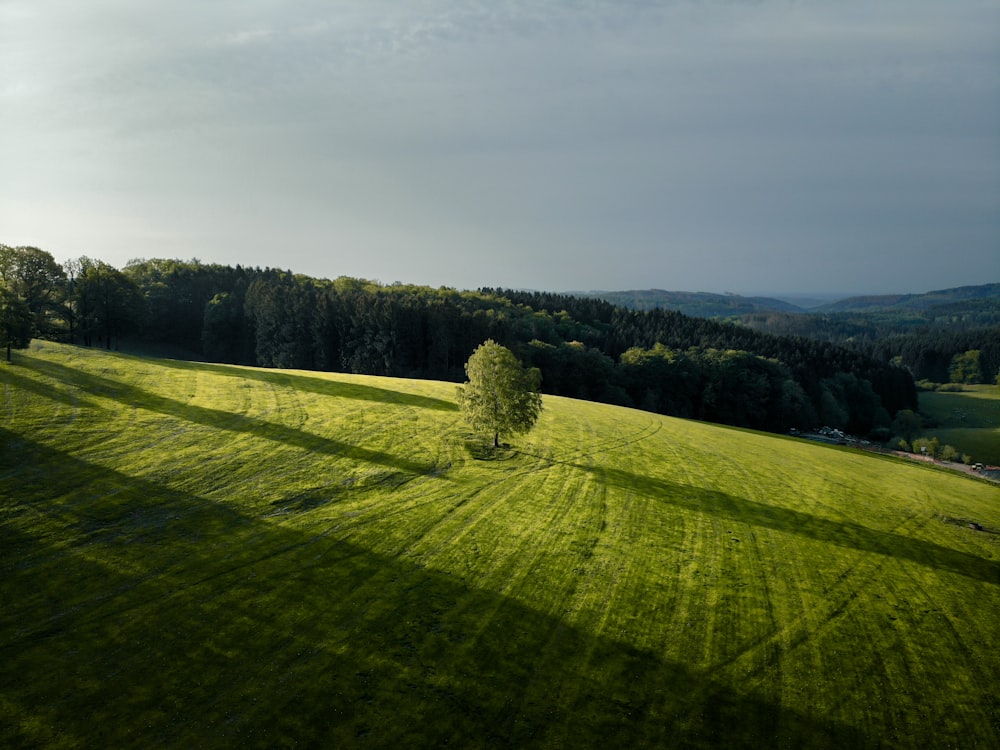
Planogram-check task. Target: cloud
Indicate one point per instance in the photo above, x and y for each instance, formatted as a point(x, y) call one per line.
point(583, 142)
point(253, 36)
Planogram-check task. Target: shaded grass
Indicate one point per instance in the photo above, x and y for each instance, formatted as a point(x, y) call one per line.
point(225, 420)
point(969, 420)
point(320, 641)
point(362, 388)
point(790, 521)
point(194, 558)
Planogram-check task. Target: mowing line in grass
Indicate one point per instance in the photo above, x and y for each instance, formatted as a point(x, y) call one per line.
point(205, 555)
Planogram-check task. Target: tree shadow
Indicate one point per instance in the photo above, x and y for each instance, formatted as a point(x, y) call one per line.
point(158, 618)
point(840, 533)
point(312, 384)
point(11, 376)
point(106, 387)
point(481, 448)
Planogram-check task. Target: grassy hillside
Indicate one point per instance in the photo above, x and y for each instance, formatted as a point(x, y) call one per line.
point(968, 420)
point(197, 555)
point(953, 302)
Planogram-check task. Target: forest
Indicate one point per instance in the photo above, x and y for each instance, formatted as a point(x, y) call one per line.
point(587, 348)
point(932, 345)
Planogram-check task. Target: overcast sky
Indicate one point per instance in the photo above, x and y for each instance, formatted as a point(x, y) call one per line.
point(752, 147)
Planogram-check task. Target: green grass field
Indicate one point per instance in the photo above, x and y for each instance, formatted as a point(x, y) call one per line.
point(207, 556)
point(968, 420)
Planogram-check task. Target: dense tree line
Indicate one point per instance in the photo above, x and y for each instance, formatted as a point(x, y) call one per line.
point(584, 347)
point(932, 355)
point(924, 342)
point(812, 364)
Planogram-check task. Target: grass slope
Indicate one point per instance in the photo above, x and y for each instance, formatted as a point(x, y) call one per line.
point(197, 555)
point(968, 420)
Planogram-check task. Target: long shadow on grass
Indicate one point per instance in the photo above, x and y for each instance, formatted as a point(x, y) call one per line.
point(842, 534)
point(108, 388)
point(178, 622)
point(320, 386)
point(11, 376)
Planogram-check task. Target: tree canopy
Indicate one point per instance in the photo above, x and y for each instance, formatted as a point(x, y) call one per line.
point(501, 396)
point(34, 276)
point(587, 348)
point(15, 321)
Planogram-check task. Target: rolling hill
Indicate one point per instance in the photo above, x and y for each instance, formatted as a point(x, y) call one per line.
point(915, 302)
point(957, 301)
point(216, 556)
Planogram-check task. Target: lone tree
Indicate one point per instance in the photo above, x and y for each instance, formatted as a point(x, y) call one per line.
point(500, 396)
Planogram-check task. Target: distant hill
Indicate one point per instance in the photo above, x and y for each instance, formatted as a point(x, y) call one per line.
point(697, 304)
point(913, 302)
point(957, 301)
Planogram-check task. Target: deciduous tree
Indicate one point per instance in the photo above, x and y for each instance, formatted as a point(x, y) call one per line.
point(35, 277)
point(907, 424)
point(106, 303)
point(501, 396)
point(16, 321)
point(965, 367)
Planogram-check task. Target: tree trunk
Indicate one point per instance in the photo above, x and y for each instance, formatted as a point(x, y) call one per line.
point(496, 436)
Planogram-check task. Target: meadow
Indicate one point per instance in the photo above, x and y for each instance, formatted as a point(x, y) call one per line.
point(968, 419)
point(197, 555)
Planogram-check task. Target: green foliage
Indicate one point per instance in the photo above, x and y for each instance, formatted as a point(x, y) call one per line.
point(968, 420)
point(907, 424)
point(965, 367)
point(281, 314)
point(948, 453)
point(663, 380)
point(881, 434)
point(924, 341)
point(175, 297)
point(949, 388)
point(104, 303)
point(574, 369)
point(926, 446)
point(696, 304)
point(211, 556)
point(223, 329)
point(34, 276)
point(500, 397)
point(16, 321)
point(724, 373)
point(729, 387)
